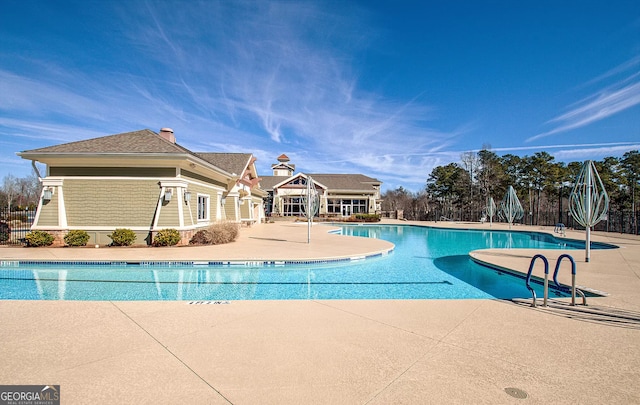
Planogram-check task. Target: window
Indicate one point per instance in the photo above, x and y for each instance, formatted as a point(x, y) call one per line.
point(347, 207)
point(300, 181)
point(333, 206)
point(292, 206)
point(360, 207)
point(203, 207)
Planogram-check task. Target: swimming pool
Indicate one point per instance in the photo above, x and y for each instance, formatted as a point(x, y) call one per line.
point(427, 263)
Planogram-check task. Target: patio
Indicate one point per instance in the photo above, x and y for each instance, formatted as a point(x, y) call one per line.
point(318, 352)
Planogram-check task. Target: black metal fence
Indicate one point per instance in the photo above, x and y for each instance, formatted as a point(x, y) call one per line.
point(14, 226)
point(616, 221)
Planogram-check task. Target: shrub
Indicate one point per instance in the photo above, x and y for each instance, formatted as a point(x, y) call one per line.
point(76, 238)
point(224, 232)
point(217, 234)
point(5, 231)
point(122, 237)
point(167, 237)
point(202, 237)
point(368, 217)
point(39, 238)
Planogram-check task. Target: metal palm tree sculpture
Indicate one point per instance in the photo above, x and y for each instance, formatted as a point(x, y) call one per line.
point(510, 207)
point(588, 202)
point(310, 205)
point(491, 210)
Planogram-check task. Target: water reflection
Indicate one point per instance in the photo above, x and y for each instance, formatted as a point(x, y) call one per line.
point(426, 263)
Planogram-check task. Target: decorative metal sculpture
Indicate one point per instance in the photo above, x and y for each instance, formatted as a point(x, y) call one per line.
point(491, 210)
point(588, 201)
point(510, 207)
point(310, 205)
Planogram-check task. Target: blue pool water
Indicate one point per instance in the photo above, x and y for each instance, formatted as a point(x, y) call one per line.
point(427, 263)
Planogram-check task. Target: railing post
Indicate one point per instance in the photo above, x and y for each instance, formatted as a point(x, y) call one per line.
point(573, 289)
point(546, 287)
point(573, 279)
point(546, 275)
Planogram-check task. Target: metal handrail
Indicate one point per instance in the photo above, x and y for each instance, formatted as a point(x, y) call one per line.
point(546, 279)
point(574, 290)
point(560, 228)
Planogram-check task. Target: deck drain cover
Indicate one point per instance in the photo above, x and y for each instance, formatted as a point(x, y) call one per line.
point(516, 393)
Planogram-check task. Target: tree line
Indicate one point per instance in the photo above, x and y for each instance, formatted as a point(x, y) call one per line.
point(19, 193)
point(460, 191)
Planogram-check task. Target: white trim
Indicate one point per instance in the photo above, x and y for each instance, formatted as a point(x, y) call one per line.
point(188, 204)
point(50, 227)
point(52, 182)
point(107, 178)
point(207, 209)
point(197, 183)
point(180, 202)
point(183, 182)
point(62, 210)
point(176, 159)
point(38, 210)
point(158, 207)
point(220, 207)
point(306, 176)
point(173, 183)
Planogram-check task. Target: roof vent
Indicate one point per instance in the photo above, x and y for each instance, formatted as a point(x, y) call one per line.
point(167, 133)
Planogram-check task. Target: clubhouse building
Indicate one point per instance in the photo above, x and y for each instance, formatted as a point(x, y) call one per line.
point(146, 181)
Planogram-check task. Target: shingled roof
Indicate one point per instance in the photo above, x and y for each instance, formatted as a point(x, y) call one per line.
point(143, 141)
point(332, 181)
point(346, 181)
point(229, 162)
point(267, 182)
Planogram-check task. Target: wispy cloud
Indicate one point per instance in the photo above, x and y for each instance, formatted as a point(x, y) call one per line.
point(604, 103)
point(264, 77)
point(593, 153)
point(283, 79)
point(267, 78)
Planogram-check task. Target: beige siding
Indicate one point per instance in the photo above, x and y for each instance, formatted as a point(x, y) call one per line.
point(244, 209)
point(214, 206)
point(194, 176)
point(168, 217)
point(189, 210)
point(49, 212)
point(117, 203)
point(196, 189)
point(113, 171)
point(230, 207)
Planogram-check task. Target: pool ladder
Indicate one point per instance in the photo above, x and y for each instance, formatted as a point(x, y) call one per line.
point(573, 290)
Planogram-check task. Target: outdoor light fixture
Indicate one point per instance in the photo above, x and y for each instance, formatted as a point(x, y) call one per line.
point(47, 193)
point(223, 200)
point(167, 195)
point(187, 196)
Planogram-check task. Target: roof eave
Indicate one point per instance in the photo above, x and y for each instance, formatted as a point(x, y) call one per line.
point(43, 156)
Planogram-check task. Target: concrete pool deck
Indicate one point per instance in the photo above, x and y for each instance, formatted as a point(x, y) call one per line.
point(342, 352)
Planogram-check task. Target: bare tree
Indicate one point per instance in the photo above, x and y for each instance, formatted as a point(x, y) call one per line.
point(10, 189)
point(470, 162)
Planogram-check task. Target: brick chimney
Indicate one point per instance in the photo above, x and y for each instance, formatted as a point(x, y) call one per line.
point(167, 133)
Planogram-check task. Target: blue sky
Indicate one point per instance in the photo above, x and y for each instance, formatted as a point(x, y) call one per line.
point(389, 89)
